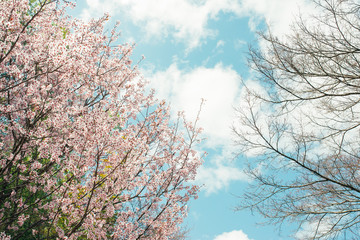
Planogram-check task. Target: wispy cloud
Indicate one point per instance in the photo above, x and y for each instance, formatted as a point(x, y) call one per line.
point(220, 43)
point(219, 175)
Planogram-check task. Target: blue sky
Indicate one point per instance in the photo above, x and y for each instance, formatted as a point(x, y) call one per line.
point(197, 49)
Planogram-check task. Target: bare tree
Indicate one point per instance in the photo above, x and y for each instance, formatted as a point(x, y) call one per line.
point(303, 124)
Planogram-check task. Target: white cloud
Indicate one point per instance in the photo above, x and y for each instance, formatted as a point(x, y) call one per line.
point(219, 175)
point(308, 229)
point(184, 89)
point(233, 235)
point(220, 43)
point(185, 20)
point(238, 44)
point(278, 14)
point(220, 87)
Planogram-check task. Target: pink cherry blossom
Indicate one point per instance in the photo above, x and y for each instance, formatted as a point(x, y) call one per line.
point(85, 151)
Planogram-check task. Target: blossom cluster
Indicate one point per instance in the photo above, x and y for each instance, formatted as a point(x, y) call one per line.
point(86, 153)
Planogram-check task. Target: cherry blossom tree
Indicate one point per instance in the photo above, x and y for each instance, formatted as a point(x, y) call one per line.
point(86, 151)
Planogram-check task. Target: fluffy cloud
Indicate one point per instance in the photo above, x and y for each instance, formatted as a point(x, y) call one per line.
point(234, 235)
point(220, 87)
point(182, 19)
point(184, 89)
point(187, 20)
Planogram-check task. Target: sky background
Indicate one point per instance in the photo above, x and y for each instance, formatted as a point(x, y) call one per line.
point(197, 49)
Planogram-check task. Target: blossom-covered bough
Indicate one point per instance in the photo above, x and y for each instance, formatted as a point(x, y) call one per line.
point(86, 153)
